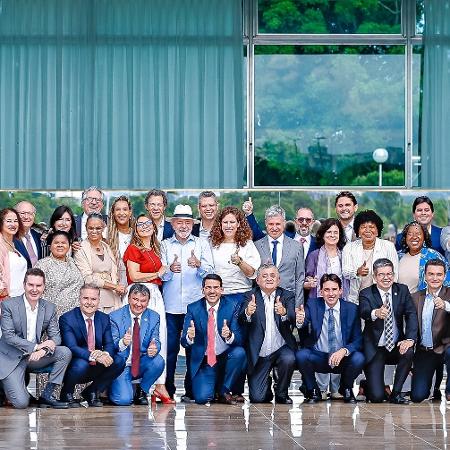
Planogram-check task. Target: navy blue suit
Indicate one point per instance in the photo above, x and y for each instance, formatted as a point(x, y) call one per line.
point(259, 368)
point(151, 368)
point(168, 230)
point(311, 360)
point(221, 377)
point(258, 233)
point(74, 336)
point(405, 317)
point(435, 240)
point(20, 246)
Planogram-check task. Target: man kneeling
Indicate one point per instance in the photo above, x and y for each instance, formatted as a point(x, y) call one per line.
point(334, 340)
point(135, 331)
point(212, 333)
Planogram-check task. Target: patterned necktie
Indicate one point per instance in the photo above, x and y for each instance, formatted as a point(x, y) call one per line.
point(332, 340)
point(211, 348)
point(427, 317)
point(135, 349)
point(90, 339)
point(30, 250)
point(274, 252)
point(302, 240)
point(388, 326)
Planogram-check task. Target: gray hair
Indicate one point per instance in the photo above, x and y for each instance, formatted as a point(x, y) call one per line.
point(89, 286)
point(90, 189)
point(382, 262)
point(139, 288)
point(265, 266)
point(207, 194)
point(274, 211)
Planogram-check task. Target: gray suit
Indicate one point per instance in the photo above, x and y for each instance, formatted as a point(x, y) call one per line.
point(15, 348)
point(291, 267)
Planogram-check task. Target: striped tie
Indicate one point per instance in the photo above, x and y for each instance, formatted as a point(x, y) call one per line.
point(388, 326)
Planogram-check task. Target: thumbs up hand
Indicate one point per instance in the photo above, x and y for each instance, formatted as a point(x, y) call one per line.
point(279, 308)
point(251, 307)
point(193, 261)
point(127, 338)
point(247, 207)
point(235, 258)
point(191, 331)
point(226, 333)
point(300, 314)
point(152, 348)
point(439, 303)
point(175, 267)
point(363, 270)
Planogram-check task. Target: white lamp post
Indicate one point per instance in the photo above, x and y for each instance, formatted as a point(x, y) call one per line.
point(380, 156)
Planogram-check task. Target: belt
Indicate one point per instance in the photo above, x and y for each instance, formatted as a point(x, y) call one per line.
point(426, 349)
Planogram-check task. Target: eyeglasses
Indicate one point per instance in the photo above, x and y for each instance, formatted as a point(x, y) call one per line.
point(96, 229)
point(146, 224)
point(385, 275)
point(303, 219)
point(27, 213)
point(93, 200)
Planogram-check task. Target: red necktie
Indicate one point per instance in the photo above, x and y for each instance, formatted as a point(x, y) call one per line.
point(302, 240)
point(135, 349)
point(211, 348)
point(90, 339)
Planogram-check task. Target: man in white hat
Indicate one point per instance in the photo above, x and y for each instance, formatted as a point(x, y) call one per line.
point(187, 259)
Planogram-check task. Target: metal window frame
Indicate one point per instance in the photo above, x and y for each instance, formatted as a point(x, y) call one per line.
point(407, 38)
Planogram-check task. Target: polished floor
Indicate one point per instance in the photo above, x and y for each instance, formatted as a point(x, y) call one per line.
point(330, 424)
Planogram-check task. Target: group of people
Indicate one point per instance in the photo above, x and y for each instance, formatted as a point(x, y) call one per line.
point(105, 302)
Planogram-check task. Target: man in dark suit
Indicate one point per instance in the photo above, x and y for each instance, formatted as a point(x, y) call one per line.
point(334, 340)
point(91, 202)
point(386, 306)
point(212, 333)
point(285, 253)
point(346, 207)
point(24, 322)
point(156, 203)
point(433, 306)
point(268, 315)
point(32, 244)
point(423, 212)
point(207, 208)
point(87, 333)
point(135, 331)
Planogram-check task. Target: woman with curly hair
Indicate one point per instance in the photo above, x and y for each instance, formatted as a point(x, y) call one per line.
point(358, 256)
point(120, 227)
point(330, 239)
point(143, 265)
point(415, 252)
point(235, 256)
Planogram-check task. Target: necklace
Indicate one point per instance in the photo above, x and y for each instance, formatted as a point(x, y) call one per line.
point(11, 247)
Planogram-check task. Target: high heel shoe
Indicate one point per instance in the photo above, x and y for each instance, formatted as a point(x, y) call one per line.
point(162, 398)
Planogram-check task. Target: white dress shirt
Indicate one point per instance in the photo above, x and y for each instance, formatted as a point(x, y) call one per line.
point(305, 244)
point(272, 338)
point(280, 241)
point(31, 320)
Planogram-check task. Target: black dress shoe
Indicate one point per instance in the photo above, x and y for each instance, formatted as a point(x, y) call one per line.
point(303, 389)
point(52, 402)
point(283, 400)
point(313, 397)
point(398, 399)
point(437, 395)
point(226, 399)
point(238, 398)
point(33, 401)
point(141, 399)
point(348, 396)
point(92, 399)
point(447, 396)
point(68, 398)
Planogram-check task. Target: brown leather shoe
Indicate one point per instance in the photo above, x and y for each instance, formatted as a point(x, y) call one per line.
point(226, 399)
point(238, 398)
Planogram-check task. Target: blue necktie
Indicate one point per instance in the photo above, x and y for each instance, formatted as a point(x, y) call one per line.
point(274, 252)
point(332, 340)
point(427, 317)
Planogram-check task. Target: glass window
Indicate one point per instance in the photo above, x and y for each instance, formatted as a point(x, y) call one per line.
point(420, 17)
point(417, 80)
point(323, 17)
point(321, 111)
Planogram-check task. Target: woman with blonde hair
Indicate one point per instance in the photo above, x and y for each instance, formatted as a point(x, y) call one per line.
point(120, 228)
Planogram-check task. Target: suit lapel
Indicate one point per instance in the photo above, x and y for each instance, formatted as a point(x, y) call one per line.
point(285, 253)
point(343, 317)
point(267, 255)
point(40, 320)
point(377, 296)
point(203, 317)
point(319, 318)
point(395, 300)
point(261, 309)
point(23, 316)
point(98, 331)
point(82, 323)
point(145, 322)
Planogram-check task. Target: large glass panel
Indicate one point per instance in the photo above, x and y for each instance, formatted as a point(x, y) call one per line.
point(321, 111)
point(323, 17)
point(420, 16)
point(417, 80)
